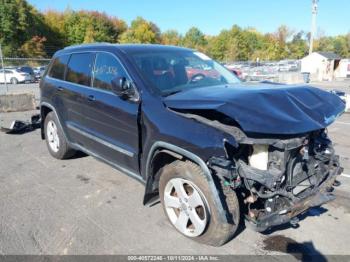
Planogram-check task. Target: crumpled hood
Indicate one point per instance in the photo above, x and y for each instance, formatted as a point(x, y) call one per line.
point(265, 109)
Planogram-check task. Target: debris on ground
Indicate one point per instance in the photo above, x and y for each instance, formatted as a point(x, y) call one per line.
point(21, 127)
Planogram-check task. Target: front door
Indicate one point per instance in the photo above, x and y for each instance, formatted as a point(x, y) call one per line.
point(110, 122)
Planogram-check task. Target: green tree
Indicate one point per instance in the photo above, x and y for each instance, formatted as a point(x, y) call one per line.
point(141, 31)
point(56, 38)
point(34, 47)
point(19, 22)
point(24, 31)
point(338, 44)
point(171, 37)
point(194, 38)
point(298, 47)
point(237, 44)
point(218, 45)
point(89, 26)
point(282, 34)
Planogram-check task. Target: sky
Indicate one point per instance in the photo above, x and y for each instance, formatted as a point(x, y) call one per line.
point(212, 16)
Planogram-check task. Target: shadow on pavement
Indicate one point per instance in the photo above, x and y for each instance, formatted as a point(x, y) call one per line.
point(305, 251)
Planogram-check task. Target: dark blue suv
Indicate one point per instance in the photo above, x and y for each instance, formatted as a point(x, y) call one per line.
point(213, 150)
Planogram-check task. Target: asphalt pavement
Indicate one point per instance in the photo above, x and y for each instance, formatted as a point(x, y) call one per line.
point(82, 206)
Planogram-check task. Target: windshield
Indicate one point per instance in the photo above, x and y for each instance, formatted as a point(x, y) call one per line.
point(175, 71)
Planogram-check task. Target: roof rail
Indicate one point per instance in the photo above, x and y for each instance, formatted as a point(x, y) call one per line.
point(87, 44)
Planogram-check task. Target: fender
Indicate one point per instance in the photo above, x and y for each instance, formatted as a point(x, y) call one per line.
point(195, 159)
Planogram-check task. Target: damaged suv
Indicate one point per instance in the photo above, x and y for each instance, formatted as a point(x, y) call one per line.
point(213, 150)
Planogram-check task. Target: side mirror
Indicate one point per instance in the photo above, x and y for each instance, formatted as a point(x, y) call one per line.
point(123, 87)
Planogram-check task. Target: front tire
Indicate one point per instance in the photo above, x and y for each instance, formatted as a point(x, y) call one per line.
point(189, 205)
point(55, 140)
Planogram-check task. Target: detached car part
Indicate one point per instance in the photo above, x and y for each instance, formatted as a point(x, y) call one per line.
point(21, 127)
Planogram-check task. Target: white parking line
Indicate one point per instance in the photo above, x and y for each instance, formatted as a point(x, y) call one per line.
point(345, 175)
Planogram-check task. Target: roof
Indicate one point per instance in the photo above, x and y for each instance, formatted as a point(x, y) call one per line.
point(329, 55)
point(148, 47)
point(126, 48)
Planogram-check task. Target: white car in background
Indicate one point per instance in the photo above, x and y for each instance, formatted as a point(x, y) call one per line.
point(13, 76)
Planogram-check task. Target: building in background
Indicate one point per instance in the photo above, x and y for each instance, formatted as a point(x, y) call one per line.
point(343, 70)
point(321, 65)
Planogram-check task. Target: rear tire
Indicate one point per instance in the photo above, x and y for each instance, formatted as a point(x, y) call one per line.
point(192, 179)
point(14, 81)
point(55, 140)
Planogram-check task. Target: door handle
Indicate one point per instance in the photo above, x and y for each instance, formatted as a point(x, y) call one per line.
point(60, 88)
point(91, 98)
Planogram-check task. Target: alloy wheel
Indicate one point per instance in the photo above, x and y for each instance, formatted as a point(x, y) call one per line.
point(52, 136)
point(186, 207)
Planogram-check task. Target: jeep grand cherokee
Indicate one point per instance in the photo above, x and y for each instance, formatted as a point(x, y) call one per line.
point(213, 150)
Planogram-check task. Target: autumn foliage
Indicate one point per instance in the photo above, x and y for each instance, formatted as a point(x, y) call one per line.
point(26, 32)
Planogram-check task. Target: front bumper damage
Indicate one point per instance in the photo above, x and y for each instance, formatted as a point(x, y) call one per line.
point(300, 174)
point(317, 197)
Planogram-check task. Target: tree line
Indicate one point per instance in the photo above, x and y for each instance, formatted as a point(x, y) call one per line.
point(26, 32)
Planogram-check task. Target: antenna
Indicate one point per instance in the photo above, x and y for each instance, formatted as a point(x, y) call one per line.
point(313, 24)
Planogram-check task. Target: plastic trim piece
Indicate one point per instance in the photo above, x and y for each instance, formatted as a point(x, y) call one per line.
point(195, 159)
point(118, 167)
point(101, 141)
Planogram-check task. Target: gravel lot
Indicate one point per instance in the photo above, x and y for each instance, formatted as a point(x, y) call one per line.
point(82, 206)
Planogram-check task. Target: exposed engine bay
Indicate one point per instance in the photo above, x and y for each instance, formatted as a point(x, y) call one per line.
point(283, 182)
point(278, 177)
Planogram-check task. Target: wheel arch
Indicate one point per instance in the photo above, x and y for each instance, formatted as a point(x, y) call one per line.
point(168, 153)
point(45, 109)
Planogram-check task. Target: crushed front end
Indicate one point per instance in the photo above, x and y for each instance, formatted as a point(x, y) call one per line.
point(279, 178)
point(281, 160)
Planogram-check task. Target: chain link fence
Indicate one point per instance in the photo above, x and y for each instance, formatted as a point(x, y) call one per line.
point(18, 62)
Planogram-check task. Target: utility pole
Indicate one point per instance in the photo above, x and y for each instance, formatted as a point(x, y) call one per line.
point(313, 24)
point(3, 69)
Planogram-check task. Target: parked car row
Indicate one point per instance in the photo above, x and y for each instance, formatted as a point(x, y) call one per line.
point(22, 74)
point(257, 71)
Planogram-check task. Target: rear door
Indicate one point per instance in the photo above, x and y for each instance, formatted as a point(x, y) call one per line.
point(54, 84)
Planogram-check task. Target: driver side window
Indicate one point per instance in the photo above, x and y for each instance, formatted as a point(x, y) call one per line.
point(107, 68)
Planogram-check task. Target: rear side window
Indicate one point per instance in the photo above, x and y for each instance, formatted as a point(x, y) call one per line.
point(107, 68)
point(79, 68)
point(58, 67)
